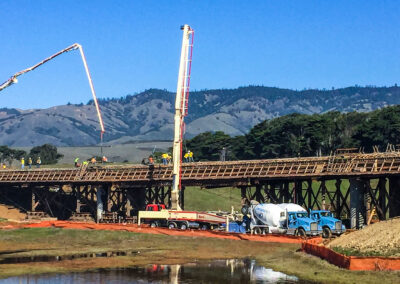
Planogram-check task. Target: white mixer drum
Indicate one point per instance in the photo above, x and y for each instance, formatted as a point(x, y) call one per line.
point(268, 213)
point(292, 207)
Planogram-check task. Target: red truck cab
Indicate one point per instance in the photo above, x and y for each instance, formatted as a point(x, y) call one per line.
point(155, 207)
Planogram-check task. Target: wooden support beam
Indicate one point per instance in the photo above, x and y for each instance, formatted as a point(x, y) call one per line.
point(338, 194)
point(394, 197)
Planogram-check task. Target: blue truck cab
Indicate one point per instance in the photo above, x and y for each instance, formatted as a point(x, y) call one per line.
point(329, 224)
point(299, 224)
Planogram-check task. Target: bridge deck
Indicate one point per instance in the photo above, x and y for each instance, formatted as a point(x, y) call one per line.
point(314, 167)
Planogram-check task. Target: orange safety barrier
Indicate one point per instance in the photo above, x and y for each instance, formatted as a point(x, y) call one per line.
point(271, 238)
point(351, 262)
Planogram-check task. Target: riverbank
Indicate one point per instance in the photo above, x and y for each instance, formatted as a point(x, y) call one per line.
point(161, 249)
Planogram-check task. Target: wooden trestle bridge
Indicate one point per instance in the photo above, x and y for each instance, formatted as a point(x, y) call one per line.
point(349, 184)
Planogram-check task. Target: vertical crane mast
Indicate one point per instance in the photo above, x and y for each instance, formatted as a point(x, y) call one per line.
point(181, 106)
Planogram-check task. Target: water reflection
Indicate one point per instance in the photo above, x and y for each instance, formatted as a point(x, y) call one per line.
point(53, 258)
point(217, 271)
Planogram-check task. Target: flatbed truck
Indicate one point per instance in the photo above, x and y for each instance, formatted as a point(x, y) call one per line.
point(158, 216)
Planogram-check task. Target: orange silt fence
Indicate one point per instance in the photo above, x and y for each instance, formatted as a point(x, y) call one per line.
point(351, 262)
point(270, 238)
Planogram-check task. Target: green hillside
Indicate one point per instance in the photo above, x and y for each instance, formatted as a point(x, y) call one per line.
point(198, 199)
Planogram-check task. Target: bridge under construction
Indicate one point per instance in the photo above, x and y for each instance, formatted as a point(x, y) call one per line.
point(351, 184)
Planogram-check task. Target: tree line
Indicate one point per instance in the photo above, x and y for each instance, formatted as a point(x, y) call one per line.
point(47, 153)
point(302, 135)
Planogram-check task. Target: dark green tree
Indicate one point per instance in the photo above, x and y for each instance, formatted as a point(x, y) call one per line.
point(47, 153)
point(303, 135)
point(9, 155)
point(379, 128)
point(208, 145)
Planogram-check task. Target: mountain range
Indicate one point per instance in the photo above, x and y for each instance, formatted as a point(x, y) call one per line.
point(149, 115)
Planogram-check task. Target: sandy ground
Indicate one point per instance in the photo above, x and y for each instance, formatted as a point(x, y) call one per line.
point(382, 238)
point(11, 213)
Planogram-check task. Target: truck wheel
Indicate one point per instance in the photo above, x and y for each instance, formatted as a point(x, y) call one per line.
point(301, 233)
point(257, 231)
point(153, 225)
point(203, 227)
point(326, 233)
point(171, 225)
point(184, 226)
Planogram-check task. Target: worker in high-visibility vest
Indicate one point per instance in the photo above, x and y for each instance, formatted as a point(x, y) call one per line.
point(76, 162)
point(30, 162)
point(190, 154)
point(22, 163)
point(164, 157)
point(38, 162)
point(186, 157)
point(104, 159)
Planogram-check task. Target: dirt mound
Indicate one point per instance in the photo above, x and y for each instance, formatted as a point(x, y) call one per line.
point(382, 238)
point(11, 213)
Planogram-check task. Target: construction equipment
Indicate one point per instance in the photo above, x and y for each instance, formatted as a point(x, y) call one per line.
point(181, 108)
point(330, 225)
point(157, 216)
point(284, 218)
point(13, 79)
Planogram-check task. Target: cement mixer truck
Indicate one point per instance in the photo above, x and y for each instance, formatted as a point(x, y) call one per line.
point(286, 218)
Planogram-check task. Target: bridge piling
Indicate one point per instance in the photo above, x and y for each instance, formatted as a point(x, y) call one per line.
point(99, 203)
point(394, 197)
point(357, 205)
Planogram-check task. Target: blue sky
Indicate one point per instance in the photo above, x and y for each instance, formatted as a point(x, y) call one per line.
point(135, 45)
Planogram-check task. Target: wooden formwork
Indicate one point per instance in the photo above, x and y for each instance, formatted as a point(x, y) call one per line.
point(377, 164)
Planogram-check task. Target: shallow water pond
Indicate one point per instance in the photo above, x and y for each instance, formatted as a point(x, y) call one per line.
point(217, 271)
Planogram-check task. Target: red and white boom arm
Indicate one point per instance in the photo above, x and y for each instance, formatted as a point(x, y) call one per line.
point(13, 79)
point(181, 106)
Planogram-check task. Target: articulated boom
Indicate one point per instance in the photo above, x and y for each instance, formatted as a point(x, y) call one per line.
point(13, 79)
